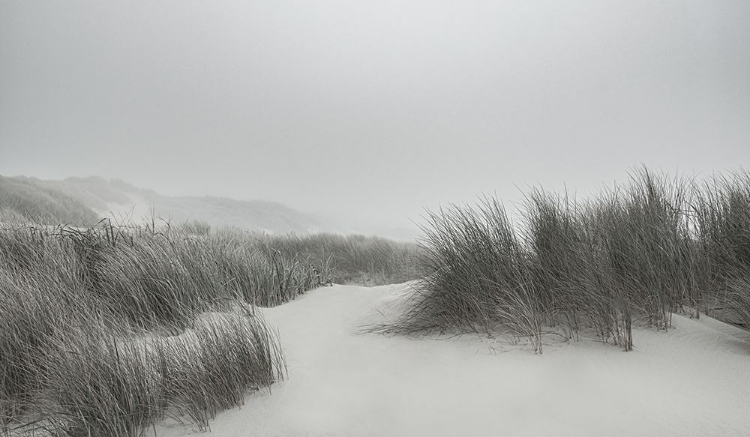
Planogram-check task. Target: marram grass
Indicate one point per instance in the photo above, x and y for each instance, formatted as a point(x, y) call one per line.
point(106, 329)
point(634, 254)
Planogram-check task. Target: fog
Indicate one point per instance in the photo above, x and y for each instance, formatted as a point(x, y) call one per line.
point(370, 111)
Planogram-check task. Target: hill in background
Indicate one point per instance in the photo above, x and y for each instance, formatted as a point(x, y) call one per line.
point(27, 199)
point(86, 200)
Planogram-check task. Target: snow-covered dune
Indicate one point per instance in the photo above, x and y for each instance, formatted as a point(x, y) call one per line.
point(691, 381)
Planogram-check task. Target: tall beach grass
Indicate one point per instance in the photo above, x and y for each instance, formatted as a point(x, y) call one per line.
point(634, 254)
point(106, 329)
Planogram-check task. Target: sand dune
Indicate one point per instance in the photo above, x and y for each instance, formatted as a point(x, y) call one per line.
point(691, 381)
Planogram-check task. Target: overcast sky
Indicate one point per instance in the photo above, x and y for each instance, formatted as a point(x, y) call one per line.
point(372, 109)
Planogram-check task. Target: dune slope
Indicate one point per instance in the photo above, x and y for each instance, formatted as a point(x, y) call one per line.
point(691, 381)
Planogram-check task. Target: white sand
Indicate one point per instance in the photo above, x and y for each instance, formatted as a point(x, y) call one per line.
point(691, 381)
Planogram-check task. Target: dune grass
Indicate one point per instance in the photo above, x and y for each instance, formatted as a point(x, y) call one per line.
point(352, 259)
point(106, 329)
point(93, 380)
point(634, 254)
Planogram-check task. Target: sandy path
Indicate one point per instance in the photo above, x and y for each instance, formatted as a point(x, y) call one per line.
point(691, 381)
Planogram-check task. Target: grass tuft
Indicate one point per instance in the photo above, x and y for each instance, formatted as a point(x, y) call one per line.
point(634, 254)
point(106, 329)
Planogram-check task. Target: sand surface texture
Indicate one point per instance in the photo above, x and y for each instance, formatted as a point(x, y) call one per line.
point(693, 380)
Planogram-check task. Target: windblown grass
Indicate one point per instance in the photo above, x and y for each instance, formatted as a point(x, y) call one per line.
point(241, 354)
point(94, 381)
point(480, 275)
point(722, 213)
point(352, 259)
point(105, 329)
point(634, 254)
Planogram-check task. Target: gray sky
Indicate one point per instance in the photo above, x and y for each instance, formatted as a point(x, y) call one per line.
point(372, 109)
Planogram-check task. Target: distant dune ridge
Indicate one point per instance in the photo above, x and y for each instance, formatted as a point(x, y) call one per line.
point(83, 200)
point(24, 199)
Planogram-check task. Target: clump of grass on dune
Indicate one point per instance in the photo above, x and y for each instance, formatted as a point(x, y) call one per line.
point(94, 383)
point(164, 276)
point(358, 259)
point(108, 328)
point(249, 269)
point(83, 323)
point(212, 366)
point(480, 276)
point(39, 291)
point(143, 279)
point(21, 334)
point(649, 236)
point(634, 254)
point(97, 381)
point(722, 211)
point(575, 285)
